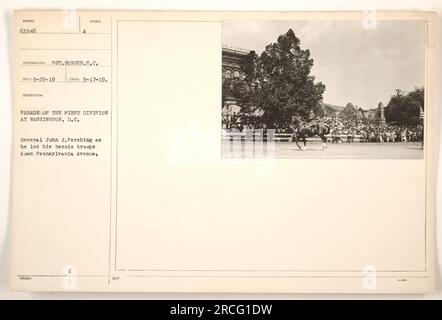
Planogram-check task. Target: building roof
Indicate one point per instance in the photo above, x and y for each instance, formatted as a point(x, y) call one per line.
point(234, 50)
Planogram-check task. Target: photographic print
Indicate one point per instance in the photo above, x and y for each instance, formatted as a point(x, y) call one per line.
point(323, 89)
point(312, 177)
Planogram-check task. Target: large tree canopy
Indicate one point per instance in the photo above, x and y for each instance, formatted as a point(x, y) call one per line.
point(279, 82)
point(404, 108)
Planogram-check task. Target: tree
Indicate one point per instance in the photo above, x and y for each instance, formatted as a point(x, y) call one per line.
point(404, 108)
point(239, 89)
point(349, 112)
point(279, 81)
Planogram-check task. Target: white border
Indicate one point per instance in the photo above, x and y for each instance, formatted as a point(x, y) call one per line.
point(6, 120)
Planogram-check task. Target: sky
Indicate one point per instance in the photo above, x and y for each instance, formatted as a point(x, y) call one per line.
point(357, 65)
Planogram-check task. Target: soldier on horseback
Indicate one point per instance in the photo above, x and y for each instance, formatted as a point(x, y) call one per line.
point(302, 130)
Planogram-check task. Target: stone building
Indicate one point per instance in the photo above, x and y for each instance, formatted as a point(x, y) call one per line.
point(231, 59)
point(231, 69)
point(376, 115)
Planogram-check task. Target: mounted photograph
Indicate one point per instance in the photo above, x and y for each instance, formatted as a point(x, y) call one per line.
point(323, 89)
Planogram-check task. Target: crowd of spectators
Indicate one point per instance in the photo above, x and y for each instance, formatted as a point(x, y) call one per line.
point(370, 132)
point(341, 130)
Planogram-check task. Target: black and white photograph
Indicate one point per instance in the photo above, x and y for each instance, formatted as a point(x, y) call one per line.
point(340, 89)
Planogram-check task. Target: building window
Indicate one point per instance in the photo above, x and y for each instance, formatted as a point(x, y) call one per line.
point(228, 74)
point(236, 74)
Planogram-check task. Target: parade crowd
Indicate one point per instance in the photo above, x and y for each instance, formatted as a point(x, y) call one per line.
point(368, 132)
point(340, 130)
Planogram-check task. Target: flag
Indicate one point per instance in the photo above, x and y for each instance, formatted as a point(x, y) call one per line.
point(421, 113)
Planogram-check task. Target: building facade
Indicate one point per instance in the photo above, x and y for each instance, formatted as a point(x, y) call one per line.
point(376, 115)
point(231, 60)
point(231, 70)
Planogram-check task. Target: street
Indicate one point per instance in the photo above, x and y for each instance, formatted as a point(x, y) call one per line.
point(286, 150)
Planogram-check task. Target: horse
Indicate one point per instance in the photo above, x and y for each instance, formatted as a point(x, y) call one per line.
point(302, 130)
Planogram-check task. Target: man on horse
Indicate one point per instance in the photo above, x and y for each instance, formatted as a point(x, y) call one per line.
point(302, 130)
